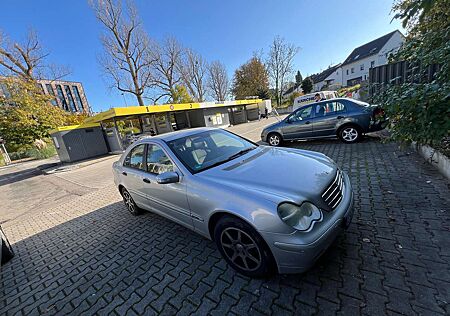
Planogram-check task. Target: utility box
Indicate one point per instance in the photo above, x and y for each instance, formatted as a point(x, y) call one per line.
point(75, 143)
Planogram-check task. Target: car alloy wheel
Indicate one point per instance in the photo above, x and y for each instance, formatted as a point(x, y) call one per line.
point(350, 134)
point(274, 140)
point(241, 249)
point(129, 202)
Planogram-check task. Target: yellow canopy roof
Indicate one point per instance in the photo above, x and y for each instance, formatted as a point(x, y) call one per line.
point(140, 110)
point(72, 127)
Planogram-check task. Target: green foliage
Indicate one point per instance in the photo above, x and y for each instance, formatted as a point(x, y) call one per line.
point(298, 78)
point(27, 115)
point(30, 151)
point(293, 96)
point(181, 95)
point(307, 85)
point(420, 111)
point(251, 79)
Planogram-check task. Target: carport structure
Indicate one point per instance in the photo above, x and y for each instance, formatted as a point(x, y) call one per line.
point(121, 125)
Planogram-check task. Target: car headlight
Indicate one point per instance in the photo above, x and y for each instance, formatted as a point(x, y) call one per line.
point(299, 217)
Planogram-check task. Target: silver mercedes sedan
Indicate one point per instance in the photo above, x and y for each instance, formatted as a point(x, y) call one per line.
point(268, 209)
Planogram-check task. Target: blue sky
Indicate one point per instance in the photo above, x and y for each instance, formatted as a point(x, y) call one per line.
point(229, 31)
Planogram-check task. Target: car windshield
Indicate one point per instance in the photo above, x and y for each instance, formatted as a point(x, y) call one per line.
point(205, 150)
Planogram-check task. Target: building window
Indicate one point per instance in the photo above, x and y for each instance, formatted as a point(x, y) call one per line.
point(50, 91)
point(347, 72)
point(61, 97)
point(361, 67)
point(78, 98)
point(372, 64)
point(353, 70)
point(73, 108)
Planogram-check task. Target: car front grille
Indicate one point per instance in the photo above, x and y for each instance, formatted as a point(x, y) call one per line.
point(333, 195)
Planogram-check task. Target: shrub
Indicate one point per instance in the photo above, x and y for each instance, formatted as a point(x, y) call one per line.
point(420, 111)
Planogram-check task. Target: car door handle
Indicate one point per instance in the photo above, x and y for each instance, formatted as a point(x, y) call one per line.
point(146, 180)
point(340, 117)
point(124, 173)
point(307, 122)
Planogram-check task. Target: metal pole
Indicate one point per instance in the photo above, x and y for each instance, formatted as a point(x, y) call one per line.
point(5, 155)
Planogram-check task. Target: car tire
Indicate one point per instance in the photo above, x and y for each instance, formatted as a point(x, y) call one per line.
point(243, 248)
point(350, 134)
point(274, 139)
point(7, 252)
point(129, 203)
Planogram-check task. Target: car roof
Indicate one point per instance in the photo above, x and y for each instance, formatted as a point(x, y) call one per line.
point(327, 100)
point(178, 134)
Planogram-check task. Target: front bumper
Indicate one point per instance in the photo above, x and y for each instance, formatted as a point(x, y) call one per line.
point(297, 252)
point(264, 136)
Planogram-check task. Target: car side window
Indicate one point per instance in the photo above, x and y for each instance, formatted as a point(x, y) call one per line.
point(135, 158)
point(301, 114)
point(157, 160)
point(329, 108)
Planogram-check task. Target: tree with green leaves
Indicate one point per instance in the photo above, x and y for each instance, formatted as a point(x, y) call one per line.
point(307, 85)
point(26, 115)
point(181, 95)
point(251, 79)
point(298, 78)
point(419, 110)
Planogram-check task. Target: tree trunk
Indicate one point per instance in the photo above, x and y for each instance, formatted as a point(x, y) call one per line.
point(140, 100)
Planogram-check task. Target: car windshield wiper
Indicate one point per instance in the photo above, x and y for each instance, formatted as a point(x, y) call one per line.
point(240, 153)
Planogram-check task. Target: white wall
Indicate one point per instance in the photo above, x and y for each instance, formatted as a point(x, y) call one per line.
point(339, 76)
point(392, 45)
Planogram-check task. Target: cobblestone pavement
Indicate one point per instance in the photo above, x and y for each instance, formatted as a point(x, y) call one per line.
point(28, 190)
point(89, 256)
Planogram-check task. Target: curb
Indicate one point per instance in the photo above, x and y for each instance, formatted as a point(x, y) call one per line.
point(434, 157)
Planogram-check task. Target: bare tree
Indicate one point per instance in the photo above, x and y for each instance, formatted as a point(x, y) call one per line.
point(218, 82)
point(193, 70)
point(167, 58)
point(279, 64)
point(127, 60)
point(27, 60)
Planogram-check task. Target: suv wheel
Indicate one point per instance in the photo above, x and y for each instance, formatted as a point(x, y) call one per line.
point(243, 248)
point(274, 139)
point(349, 134)
point(129, 203)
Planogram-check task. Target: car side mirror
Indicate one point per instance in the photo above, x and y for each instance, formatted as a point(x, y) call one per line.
point(167, 177)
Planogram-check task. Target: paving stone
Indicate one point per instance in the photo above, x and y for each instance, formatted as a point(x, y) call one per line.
point(88, 255)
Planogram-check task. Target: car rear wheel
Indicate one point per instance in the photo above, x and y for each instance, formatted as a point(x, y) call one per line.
point(6, 252)
point(349, 134)
point(274, 139)
point(243, 248)
point(129, 203)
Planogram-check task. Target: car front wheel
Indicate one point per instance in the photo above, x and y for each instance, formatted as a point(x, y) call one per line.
point(129, 202)
point(243, 248)
point(274, 139)
point(349, 134)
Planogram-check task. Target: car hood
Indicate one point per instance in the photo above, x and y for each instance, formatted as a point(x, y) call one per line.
point(278, 174)
point(273, 126)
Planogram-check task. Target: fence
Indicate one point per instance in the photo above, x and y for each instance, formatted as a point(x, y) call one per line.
point(398, 73)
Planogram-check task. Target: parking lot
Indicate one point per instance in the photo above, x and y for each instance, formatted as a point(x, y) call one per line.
point(79, 251)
